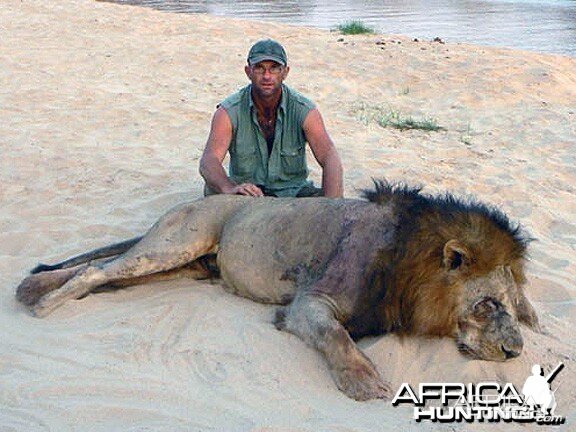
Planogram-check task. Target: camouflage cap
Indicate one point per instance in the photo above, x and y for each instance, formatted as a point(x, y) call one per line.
point(267, 49)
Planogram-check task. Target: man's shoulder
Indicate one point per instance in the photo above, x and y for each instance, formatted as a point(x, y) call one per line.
point(235, 99)
point(298, 98)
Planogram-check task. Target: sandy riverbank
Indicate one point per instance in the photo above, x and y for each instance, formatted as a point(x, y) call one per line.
point(104, 110)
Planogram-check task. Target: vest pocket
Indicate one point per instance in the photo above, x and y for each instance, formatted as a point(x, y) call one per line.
point(243, 164)
point(293, 161)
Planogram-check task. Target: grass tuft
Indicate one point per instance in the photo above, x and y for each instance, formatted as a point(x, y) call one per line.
point(394, 119)
point(355, 28)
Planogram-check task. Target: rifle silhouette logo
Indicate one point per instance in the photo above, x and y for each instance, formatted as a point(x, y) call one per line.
point(537, 390)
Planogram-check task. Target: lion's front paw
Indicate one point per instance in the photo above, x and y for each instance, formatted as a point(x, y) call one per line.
point(362, 382)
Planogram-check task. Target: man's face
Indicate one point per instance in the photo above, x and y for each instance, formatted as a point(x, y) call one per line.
point(267, 77)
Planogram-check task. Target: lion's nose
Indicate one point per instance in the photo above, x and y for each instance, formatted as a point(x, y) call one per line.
point(511, 352)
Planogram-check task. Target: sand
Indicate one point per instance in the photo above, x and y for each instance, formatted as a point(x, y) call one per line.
point(104, 111)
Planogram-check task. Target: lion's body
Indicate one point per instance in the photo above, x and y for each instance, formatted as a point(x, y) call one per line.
point(398, 262)
point(272, 248)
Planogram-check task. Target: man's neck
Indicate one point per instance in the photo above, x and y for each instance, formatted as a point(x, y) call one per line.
point(266, 103)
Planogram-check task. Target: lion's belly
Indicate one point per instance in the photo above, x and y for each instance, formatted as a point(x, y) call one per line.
point(271, 248)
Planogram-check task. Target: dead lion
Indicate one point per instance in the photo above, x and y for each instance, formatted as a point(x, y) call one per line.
point(399, 261)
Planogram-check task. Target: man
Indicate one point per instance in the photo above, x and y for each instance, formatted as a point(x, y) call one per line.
point(265, 127)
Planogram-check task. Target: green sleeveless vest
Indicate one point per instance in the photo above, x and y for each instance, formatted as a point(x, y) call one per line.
point(284, 172)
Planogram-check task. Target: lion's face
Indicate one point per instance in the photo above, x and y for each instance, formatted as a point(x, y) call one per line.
point(488, 325)
point(473, 298)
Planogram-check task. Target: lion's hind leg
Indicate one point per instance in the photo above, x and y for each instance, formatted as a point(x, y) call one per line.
point(173, 242)
point(180, 237)
point(46, 278)
point(125, 270)
point(35, 286)
point(41, 282)
point(204, 267)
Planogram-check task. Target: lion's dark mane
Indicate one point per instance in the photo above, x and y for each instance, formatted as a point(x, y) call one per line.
point(424, 224)
point(412, 204)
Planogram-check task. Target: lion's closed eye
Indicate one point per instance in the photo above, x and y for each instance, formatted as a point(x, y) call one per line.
point(486, 307)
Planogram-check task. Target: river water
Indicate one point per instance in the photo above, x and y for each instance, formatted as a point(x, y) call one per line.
point(544, 26)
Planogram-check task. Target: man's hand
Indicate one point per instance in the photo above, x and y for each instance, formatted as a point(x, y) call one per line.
point(248, 189)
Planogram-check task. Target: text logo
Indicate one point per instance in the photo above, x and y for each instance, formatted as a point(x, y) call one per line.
point(485, 401)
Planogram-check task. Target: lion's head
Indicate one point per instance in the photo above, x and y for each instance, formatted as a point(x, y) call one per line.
point(476, 296)
point(488, 308)
point(457, 270)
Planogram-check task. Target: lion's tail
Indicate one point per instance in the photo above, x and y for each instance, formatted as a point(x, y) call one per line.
point(103, 252)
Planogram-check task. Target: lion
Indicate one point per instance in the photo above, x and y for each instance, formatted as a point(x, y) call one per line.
point(398, 261)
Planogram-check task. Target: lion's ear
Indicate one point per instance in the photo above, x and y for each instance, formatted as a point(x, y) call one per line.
point(455, 255)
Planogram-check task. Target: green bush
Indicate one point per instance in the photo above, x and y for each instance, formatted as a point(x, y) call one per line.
point(354, 28)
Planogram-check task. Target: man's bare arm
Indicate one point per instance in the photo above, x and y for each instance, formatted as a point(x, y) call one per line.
point(211, 168)
point(325, 153)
